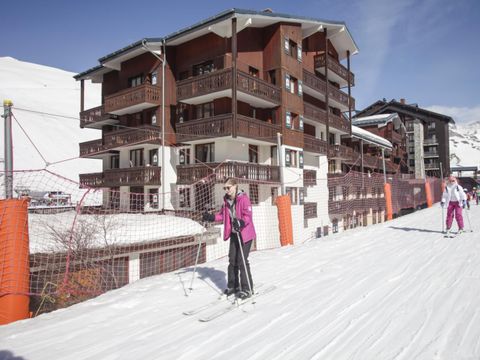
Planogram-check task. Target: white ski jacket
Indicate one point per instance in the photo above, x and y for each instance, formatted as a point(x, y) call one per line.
point(453, 192)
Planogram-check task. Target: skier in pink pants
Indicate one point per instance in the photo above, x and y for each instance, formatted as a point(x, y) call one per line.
point(455, 198)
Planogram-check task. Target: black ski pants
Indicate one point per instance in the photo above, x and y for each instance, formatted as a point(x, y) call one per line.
point(235, 264)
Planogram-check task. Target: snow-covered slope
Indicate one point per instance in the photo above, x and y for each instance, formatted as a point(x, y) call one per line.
point(44, 90)
point(397, 290)
point(465, 144)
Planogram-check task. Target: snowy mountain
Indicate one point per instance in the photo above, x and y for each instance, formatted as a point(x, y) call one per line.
point(396, 290)
point(465, 144)
point(46, 103)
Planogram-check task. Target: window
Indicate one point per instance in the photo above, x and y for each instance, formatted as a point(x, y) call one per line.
point(204, 110)
point(184, 197)
point(332, 167)
point(253, 191)
point(331, 139)
point(411, 149)
point(272, 77)
point(184, 157)
point(293, 85)
point(301, 196)
point(274, 155)
point(153, 157)
point(288, 119)
point(274, 193)
point(135, 81)
point(412, 163)
point(205, 152)
point(114, 198)
point(203, 68)
point(136, 157)
point(154, 78)
point(300, 159)
point(332, 193)
point(153, 198)
point(114, 161)
point(293, 193)
point(335, 226)
point(290, 158)
point(253, 153)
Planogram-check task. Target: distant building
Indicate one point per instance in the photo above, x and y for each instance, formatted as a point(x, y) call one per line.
point(428, 135)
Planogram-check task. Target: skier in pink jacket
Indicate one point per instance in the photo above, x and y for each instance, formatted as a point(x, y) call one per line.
point(236, 214)
point(455, 199)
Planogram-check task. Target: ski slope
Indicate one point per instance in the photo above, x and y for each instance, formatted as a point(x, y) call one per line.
point(397, 290)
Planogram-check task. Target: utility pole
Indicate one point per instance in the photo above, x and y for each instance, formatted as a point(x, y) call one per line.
point(7, 115)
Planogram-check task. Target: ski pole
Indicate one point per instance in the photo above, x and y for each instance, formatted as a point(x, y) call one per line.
point(469, 223)
point(240, 244)
point(195, 267)
point(443, 218)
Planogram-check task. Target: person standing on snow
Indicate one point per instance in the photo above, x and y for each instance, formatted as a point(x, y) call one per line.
point(455, 198)
point(236, 214)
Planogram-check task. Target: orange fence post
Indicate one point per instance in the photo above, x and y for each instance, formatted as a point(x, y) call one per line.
point(14, 260)
point(285, 226)
point(428, 194)
point(388, 200)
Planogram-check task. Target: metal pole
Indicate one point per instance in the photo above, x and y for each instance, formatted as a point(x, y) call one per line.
point(280, 163)
point(443, 208)
point(361, 154)
point(384, 172)
point(163, 123)
point(7, 115)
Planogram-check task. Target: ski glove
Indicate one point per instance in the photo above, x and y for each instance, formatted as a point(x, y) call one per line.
point(238, 224)
point(208, 217)
point(442, 204)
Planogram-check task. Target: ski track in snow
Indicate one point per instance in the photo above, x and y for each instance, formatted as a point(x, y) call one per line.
point(397, 290)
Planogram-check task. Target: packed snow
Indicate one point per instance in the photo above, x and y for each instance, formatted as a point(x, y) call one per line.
point(396, 290)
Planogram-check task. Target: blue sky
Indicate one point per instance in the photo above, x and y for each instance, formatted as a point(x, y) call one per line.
point(426, 51)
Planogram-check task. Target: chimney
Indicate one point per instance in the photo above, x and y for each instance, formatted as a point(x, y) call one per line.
point(402, 101)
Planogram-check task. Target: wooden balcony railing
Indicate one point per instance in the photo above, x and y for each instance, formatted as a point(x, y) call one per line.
point(314, 82)
point(310, 210)
point(339, 122)
point(124, 137)
point(138, 98)
point(309, 177)
point(91, 147)
point(96, 117)
point(314, 113)
point(340, 152)
point(312, 144)
point(222, 125)
point(136, 176)
point(127, 137)
point(222, 80)
point(188, 174)
point(335, 66)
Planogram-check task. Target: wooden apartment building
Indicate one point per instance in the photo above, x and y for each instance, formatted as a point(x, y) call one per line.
point(217, 93)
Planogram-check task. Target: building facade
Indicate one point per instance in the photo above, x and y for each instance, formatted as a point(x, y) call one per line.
point(254, 95)
point(428, 136)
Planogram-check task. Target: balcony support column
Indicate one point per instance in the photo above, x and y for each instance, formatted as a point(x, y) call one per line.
point(326, 91)
point(82, 95)
point(349, 93)
point(234, 77)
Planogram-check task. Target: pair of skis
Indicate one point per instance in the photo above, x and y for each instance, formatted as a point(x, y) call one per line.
point(231, 304)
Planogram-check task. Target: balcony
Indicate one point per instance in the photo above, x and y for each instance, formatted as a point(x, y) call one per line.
point(135, 176)
point(310, 210)
point(121, 138)
point(336, 71)
point(132, 100)
point(315, 113)
point(341, 152)
point(430, 154)
point(433, 166)
point(206, 88)
point(96, 117)
point(430, 142)
point(222, 125)
point(314, 145)
point(189, 174)
point(309, 177)
point(316, 87)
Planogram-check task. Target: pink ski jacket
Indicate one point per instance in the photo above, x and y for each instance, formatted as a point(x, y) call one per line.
point(243, 211)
